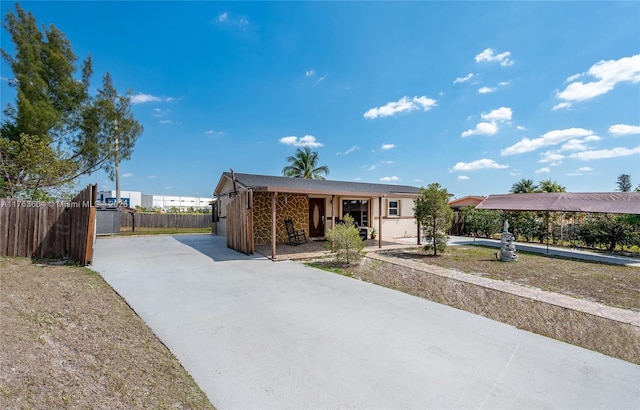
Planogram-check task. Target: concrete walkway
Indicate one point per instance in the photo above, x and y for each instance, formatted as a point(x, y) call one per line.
point(259, 334)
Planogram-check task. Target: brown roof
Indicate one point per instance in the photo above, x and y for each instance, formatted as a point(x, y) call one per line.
point(602, 202)
point(268, 183)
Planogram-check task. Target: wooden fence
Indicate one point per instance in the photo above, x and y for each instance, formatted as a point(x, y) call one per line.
point(240, 223)
point(37, 229)
point(152, 220)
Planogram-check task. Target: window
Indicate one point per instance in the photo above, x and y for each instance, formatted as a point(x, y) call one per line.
point(358, 209)
point(393, 208)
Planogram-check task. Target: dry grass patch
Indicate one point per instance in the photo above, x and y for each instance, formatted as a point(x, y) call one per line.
point(613, 285)
point(69, 341)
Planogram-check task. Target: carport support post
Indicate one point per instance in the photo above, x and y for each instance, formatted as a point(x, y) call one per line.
point(379, 222)
point(274, 196)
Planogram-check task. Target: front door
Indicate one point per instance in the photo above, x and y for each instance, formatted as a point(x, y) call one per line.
point(316, 217)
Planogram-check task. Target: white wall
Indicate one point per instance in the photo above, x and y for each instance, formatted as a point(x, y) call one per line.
point(165, 202)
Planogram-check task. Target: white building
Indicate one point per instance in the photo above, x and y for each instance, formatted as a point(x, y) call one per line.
point(150, 201)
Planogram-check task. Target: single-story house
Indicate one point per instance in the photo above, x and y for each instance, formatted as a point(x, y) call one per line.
point(469, 200)
point(457, 225)
point(251, 209)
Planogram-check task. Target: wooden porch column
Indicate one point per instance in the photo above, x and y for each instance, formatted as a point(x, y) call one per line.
point(333, 213)
point(380, 222)
point(274, 197)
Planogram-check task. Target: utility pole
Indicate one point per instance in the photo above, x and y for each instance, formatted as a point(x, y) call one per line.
point(117, 161)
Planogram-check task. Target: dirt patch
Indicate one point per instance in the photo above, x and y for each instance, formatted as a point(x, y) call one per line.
point(69, 341)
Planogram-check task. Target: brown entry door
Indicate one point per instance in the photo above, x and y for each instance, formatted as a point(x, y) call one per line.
point(316, 217)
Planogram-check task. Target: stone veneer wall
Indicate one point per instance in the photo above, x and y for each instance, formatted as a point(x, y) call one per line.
point(296, 209)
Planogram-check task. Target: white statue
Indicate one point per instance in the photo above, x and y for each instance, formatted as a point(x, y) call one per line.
point(507, 247)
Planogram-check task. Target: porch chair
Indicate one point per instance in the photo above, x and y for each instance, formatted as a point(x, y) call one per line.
point(295, 237)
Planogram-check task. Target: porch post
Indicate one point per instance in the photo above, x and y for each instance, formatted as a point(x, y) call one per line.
point(274, 196)
point(333, 213)
point(379, 222)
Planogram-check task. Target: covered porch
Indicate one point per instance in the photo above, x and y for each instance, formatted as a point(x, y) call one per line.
point(315, 248)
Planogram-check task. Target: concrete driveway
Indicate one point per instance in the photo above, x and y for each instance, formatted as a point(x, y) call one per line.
point(260, 334)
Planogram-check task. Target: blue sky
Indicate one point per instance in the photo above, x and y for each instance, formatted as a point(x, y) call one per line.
point(473, 95)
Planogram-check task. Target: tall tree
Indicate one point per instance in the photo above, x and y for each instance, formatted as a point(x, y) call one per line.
point(524, 186)
point(54, 131)
point(548, 185)
point(305, 165)
point(624, 182)
point(434, 215)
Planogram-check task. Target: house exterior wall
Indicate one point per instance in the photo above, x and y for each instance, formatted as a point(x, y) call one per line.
point(399, 225)
point(295, 207)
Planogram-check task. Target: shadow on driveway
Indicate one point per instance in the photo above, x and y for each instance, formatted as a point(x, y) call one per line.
point(215, 247)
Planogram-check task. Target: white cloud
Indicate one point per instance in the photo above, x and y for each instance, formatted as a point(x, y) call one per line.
point(462, 178)
point(483, 128)
point(580, 171)
point(486, 90)
point(165, 122)
point(370, 168)
point(306, 141)
point(385, 147)
point(321, 79)
point(574, 145)
point(152, 176)
point(500, 114)
point(521, 128)
point(225, 18)
point(403, 104)
point(605, 153)
point(388, 162)
point(142, 98)
point(551, 156)
point(310, 73)
point(542, 170)
point(550, 138)
point(489, 55)
point(623, 129)
point(158, 112)
point(210, 132)
point(168, 187)
point(463, 79)
point(476, 165)
point(561, 105)
point(388, 179)
point(504, 83)
point(607, 75)
point(349, 151)
point(127, 175)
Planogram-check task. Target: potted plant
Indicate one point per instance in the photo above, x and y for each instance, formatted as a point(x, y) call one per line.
point(374, 233)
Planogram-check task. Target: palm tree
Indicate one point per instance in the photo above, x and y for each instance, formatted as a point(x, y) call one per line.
point(524, 186)
point(305, 165)
point(550, 186)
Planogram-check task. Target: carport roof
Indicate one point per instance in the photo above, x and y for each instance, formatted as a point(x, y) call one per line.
point(267, 183)
point(601, 202)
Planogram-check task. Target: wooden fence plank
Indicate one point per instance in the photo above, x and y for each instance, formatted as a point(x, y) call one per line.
point(48, 230)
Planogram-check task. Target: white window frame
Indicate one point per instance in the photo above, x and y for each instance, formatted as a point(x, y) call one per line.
point(391, 208)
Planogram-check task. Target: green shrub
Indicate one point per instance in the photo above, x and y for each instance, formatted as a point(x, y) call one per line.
point(344, 240)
